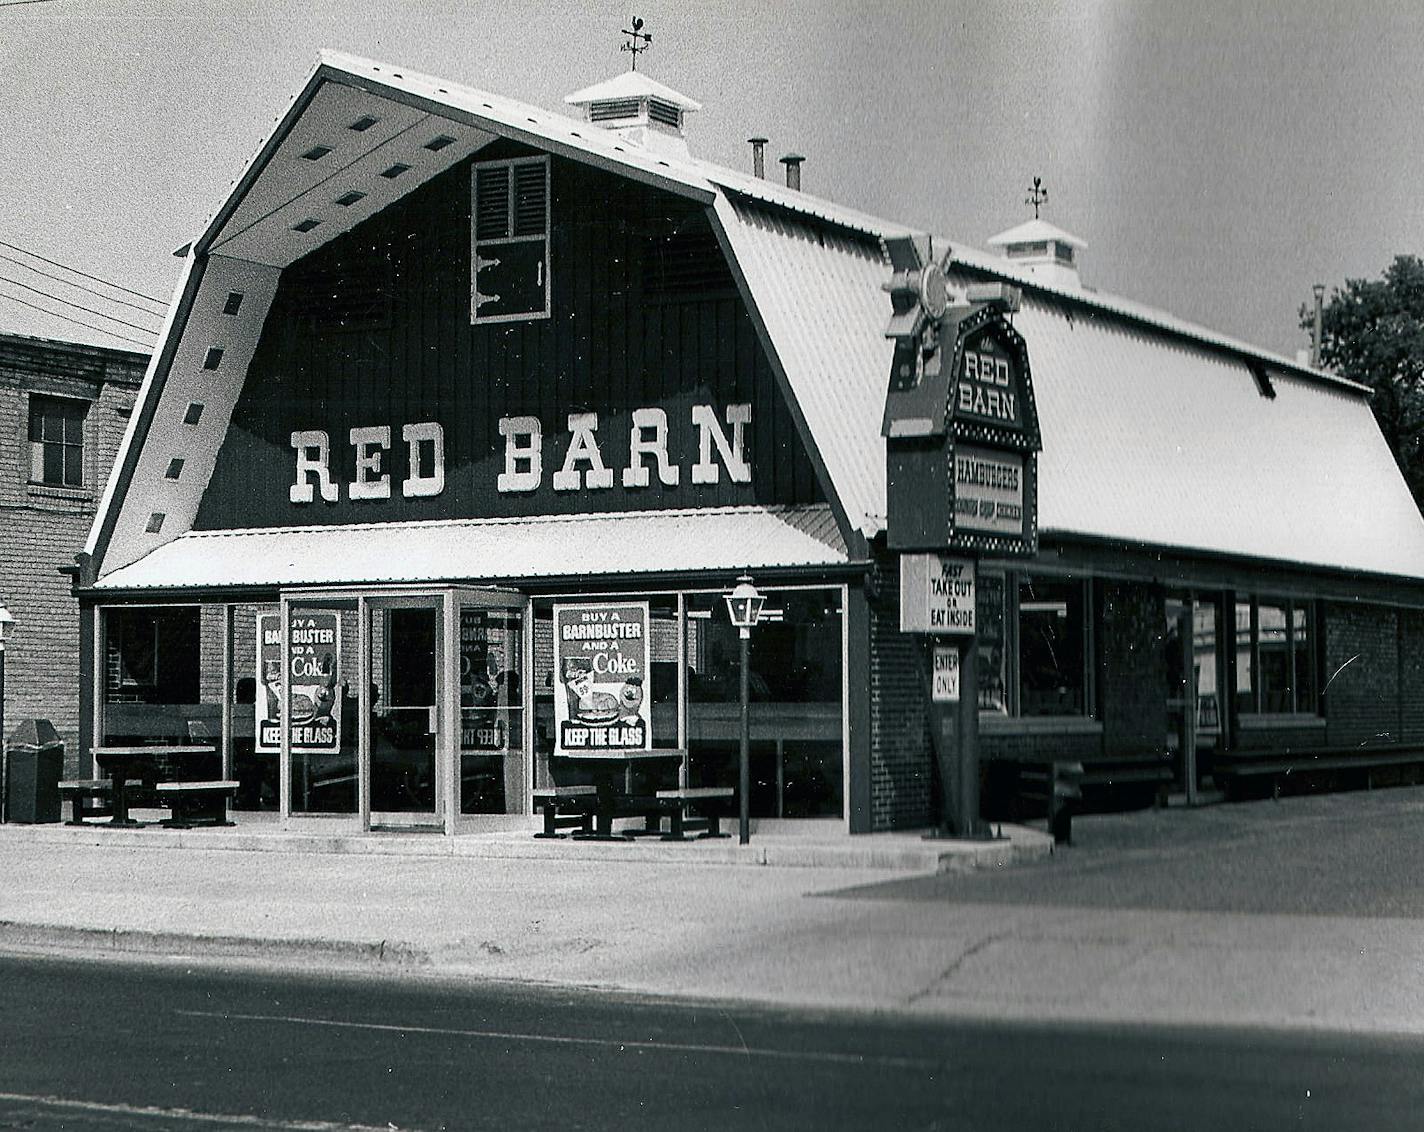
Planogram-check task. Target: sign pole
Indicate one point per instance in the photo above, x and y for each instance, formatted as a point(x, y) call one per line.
point(968, 817)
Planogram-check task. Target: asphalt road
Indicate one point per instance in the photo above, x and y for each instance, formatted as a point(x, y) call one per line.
point(110, 1045)
point(1355, 854)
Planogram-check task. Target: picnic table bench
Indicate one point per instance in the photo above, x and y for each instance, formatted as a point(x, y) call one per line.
point(196, 803)
point(1277, 764)
point(89, 797)
point(688, 809)
point(566, 807)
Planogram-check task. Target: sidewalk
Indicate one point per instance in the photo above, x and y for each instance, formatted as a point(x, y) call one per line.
point(648, 918)
point(787, 845)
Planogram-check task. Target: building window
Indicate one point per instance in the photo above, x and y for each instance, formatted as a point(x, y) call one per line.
point(510, 240)
point(1275, 657)
point(57, 441)
point(1033, 646)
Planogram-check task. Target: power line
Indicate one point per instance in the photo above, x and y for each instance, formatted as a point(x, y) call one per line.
point(17, 3)
point(80, 287)
point(77, 322)
point(76, 306)
point(75, 270)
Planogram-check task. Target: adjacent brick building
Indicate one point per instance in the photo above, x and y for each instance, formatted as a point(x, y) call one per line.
point(63, 411)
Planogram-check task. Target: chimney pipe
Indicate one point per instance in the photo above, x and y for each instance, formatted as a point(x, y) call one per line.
point(1319, 325)
point(758, 157)
point(792, 161)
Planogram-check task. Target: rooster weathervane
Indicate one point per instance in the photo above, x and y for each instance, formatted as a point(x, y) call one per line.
point(638, 40)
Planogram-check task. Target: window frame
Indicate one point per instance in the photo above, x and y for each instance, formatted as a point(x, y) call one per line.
point(1252, 630)
point(1012, 581)
point(476, 243)
point(37, 399)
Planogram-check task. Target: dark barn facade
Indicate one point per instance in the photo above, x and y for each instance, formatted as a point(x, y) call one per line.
point(471, 414)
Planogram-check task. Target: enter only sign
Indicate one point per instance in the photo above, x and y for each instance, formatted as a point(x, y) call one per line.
point(936, 594)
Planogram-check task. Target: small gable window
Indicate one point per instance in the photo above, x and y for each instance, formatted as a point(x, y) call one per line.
point(510, 241)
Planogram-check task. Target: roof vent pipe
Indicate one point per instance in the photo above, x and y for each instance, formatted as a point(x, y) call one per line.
point(758, 157)
point(1319, 327)
point(792, 161)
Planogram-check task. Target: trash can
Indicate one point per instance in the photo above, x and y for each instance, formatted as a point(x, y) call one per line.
point(34, 763)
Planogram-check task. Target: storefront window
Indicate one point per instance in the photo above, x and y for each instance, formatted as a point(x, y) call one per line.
point(795, 698)
point(256, 772)
point(1033, 645)
point(491, 710)
point(794, 687)
point(1275, 657)
point(650, 696)
point(1051, 647)
point(153, 694)
point(993, 644)
point(324, 702)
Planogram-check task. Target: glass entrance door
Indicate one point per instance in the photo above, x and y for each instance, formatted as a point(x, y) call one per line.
point(405, 647)
point(1194, 724)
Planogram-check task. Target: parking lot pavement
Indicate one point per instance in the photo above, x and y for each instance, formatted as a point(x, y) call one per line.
point(1357, 854)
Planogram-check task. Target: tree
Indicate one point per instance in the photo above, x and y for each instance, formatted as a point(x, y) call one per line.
point(1373, 333)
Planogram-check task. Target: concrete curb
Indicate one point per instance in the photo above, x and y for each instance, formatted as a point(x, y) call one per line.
point(125, 941)
point(897, 853)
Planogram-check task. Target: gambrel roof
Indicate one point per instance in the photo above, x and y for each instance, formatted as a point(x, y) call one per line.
point(1156, 431)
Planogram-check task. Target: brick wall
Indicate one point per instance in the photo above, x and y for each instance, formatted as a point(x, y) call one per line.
point(41, 528)
point(1362, 665)
point(902, 792)
point(1131, 619)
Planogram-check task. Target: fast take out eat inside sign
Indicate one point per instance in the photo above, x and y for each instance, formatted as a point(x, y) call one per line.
point(936, 594)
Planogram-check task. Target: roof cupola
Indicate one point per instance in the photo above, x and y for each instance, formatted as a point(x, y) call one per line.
point(1044, 251)
point(640, 110)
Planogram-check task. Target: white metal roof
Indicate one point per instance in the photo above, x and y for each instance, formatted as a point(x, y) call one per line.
point(1034, 231)
point(1168, 443)
point(630, 84)
point(716, 540)
point(819, 296)
point(1147, 438)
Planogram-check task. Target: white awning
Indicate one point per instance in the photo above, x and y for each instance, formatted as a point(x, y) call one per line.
point(720, 540)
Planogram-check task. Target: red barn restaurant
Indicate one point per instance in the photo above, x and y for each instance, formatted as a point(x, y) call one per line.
point(469, 414)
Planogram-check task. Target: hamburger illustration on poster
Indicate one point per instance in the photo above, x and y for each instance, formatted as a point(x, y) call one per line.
point(315, 680)
point(601, 702)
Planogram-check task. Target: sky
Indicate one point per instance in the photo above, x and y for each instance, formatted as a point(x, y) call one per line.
point(1218, 157)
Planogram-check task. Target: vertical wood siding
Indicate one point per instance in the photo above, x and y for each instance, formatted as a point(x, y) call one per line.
point(626, 331)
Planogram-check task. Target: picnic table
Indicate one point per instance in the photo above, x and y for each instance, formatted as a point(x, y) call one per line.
point(123, 764)
point(598, 794)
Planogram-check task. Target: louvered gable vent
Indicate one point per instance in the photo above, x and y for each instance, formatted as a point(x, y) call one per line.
point(510, 276)
point(531, 199)
point(492, 202)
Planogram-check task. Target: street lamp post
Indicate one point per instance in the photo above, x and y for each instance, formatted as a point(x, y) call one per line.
point(7, 621)
point(744, 608)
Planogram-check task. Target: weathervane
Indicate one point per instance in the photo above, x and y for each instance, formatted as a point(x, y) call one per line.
point(638, 40)
point(1036, 196)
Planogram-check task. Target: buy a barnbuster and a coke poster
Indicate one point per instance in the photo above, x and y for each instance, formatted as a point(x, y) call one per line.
point(315, 681)
point(601, 658)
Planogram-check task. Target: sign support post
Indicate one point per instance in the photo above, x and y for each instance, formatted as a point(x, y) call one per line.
point(961, 444)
